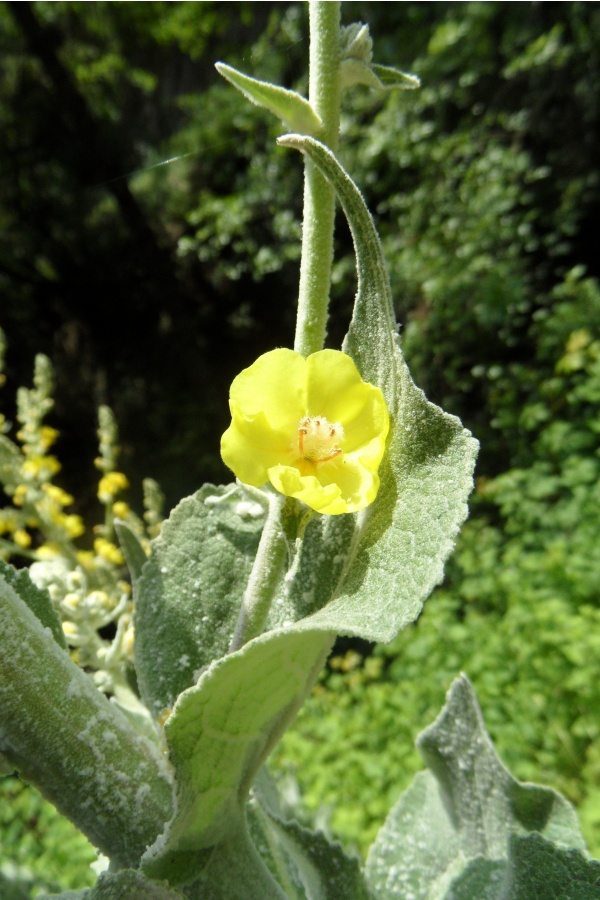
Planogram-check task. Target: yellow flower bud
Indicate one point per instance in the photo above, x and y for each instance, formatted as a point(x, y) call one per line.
point(22, 538)
point(74, 526)
point(110, 484)
point(57, 494)
point(108, 551)
point(120, 509)
point(70, 630)
point(48, 551)
point(48, 436)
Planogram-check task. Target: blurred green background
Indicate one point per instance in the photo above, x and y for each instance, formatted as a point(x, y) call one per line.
point(150, 247)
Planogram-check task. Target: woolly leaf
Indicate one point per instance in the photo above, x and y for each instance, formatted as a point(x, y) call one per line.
point(218, 735)
point(134, 553)
point(65, 737)
point(128, 884)
point(305, 862)
point(377, 571)
point(36, 599)
point(190, 591)
point(289, 106)
point(463, 812)
point(355, 71)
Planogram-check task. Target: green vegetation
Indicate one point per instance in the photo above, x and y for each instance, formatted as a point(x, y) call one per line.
point(40, 851)
point(486, 192)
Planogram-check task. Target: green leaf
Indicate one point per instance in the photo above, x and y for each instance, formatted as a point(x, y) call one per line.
point(305, 862)
point(535, 868)
point(11, 460)
point(388, 560)
point(65, 737)
point(134, 553)
point(355, 71)
point(289, 106)
point(128, 884)
point(218, 735)
point(466, 807)
point(36, 599)
point(538, 868)
point(482, 878)
point(190, 592)
point(131, 885)
point(235, 871)
point(389, 77)
point(365, 574)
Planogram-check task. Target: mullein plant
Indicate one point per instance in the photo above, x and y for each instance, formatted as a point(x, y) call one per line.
point(84, 576)
point(350, 489)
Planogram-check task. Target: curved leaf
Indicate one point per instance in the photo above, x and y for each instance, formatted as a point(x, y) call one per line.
point(289, 106)
point(36, 599)
point(219, 734)
point(386, 563)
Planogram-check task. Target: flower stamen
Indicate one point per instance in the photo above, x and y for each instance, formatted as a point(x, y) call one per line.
point(318, 439)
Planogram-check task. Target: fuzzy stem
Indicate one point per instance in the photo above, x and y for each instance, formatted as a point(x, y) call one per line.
point(319, 196)
point(264, 577)
point(315, 276)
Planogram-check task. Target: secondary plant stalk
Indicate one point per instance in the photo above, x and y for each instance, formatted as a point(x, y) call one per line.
point(264, 577)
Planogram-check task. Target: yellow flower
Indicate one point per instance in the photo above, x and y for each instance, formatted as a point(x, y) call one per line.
point(47, 436)
point(42, 467)
point(312, 427)
point(73, 525)
point(22, 538)
point(57, 494)
point(120, 509)
point(111, 484)
point(108, 551)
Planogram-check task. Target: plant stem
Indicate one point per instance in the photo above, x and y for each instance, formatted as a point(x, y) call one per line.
point(315, 277)
point(65, 737)
point(264, 577)
point(319, 196)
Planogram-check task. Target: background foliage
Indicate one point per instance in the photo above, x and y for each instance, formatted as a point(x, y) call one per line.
point(150, 287)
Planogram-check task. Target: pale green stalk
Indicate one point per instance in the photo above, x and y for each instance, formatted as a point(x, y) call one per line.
point(264, 577)
point(313, 301)
point(319, 197)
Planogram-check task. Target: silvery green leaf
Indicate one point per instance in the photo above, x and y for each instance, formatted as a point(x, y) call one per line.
point(36, 599)
point(355, 71)
point(541, 868)
point(368, 574)
point(189, 594)
point(289, 106)
point(128, 884)
point(306, 863)
point(455, 824)
point(219, 734)
point(134, 553)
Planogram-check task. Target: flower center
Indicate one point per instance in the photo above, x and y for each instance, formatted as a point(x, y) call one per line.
point(318, 439)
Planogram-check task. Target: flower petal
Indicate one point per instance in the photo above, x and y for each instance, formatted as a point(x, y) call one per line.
point(274, 385)
point(334, 386)
point(250, 447)
point(336, 391)
point(269, 400)
point(322, 498)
